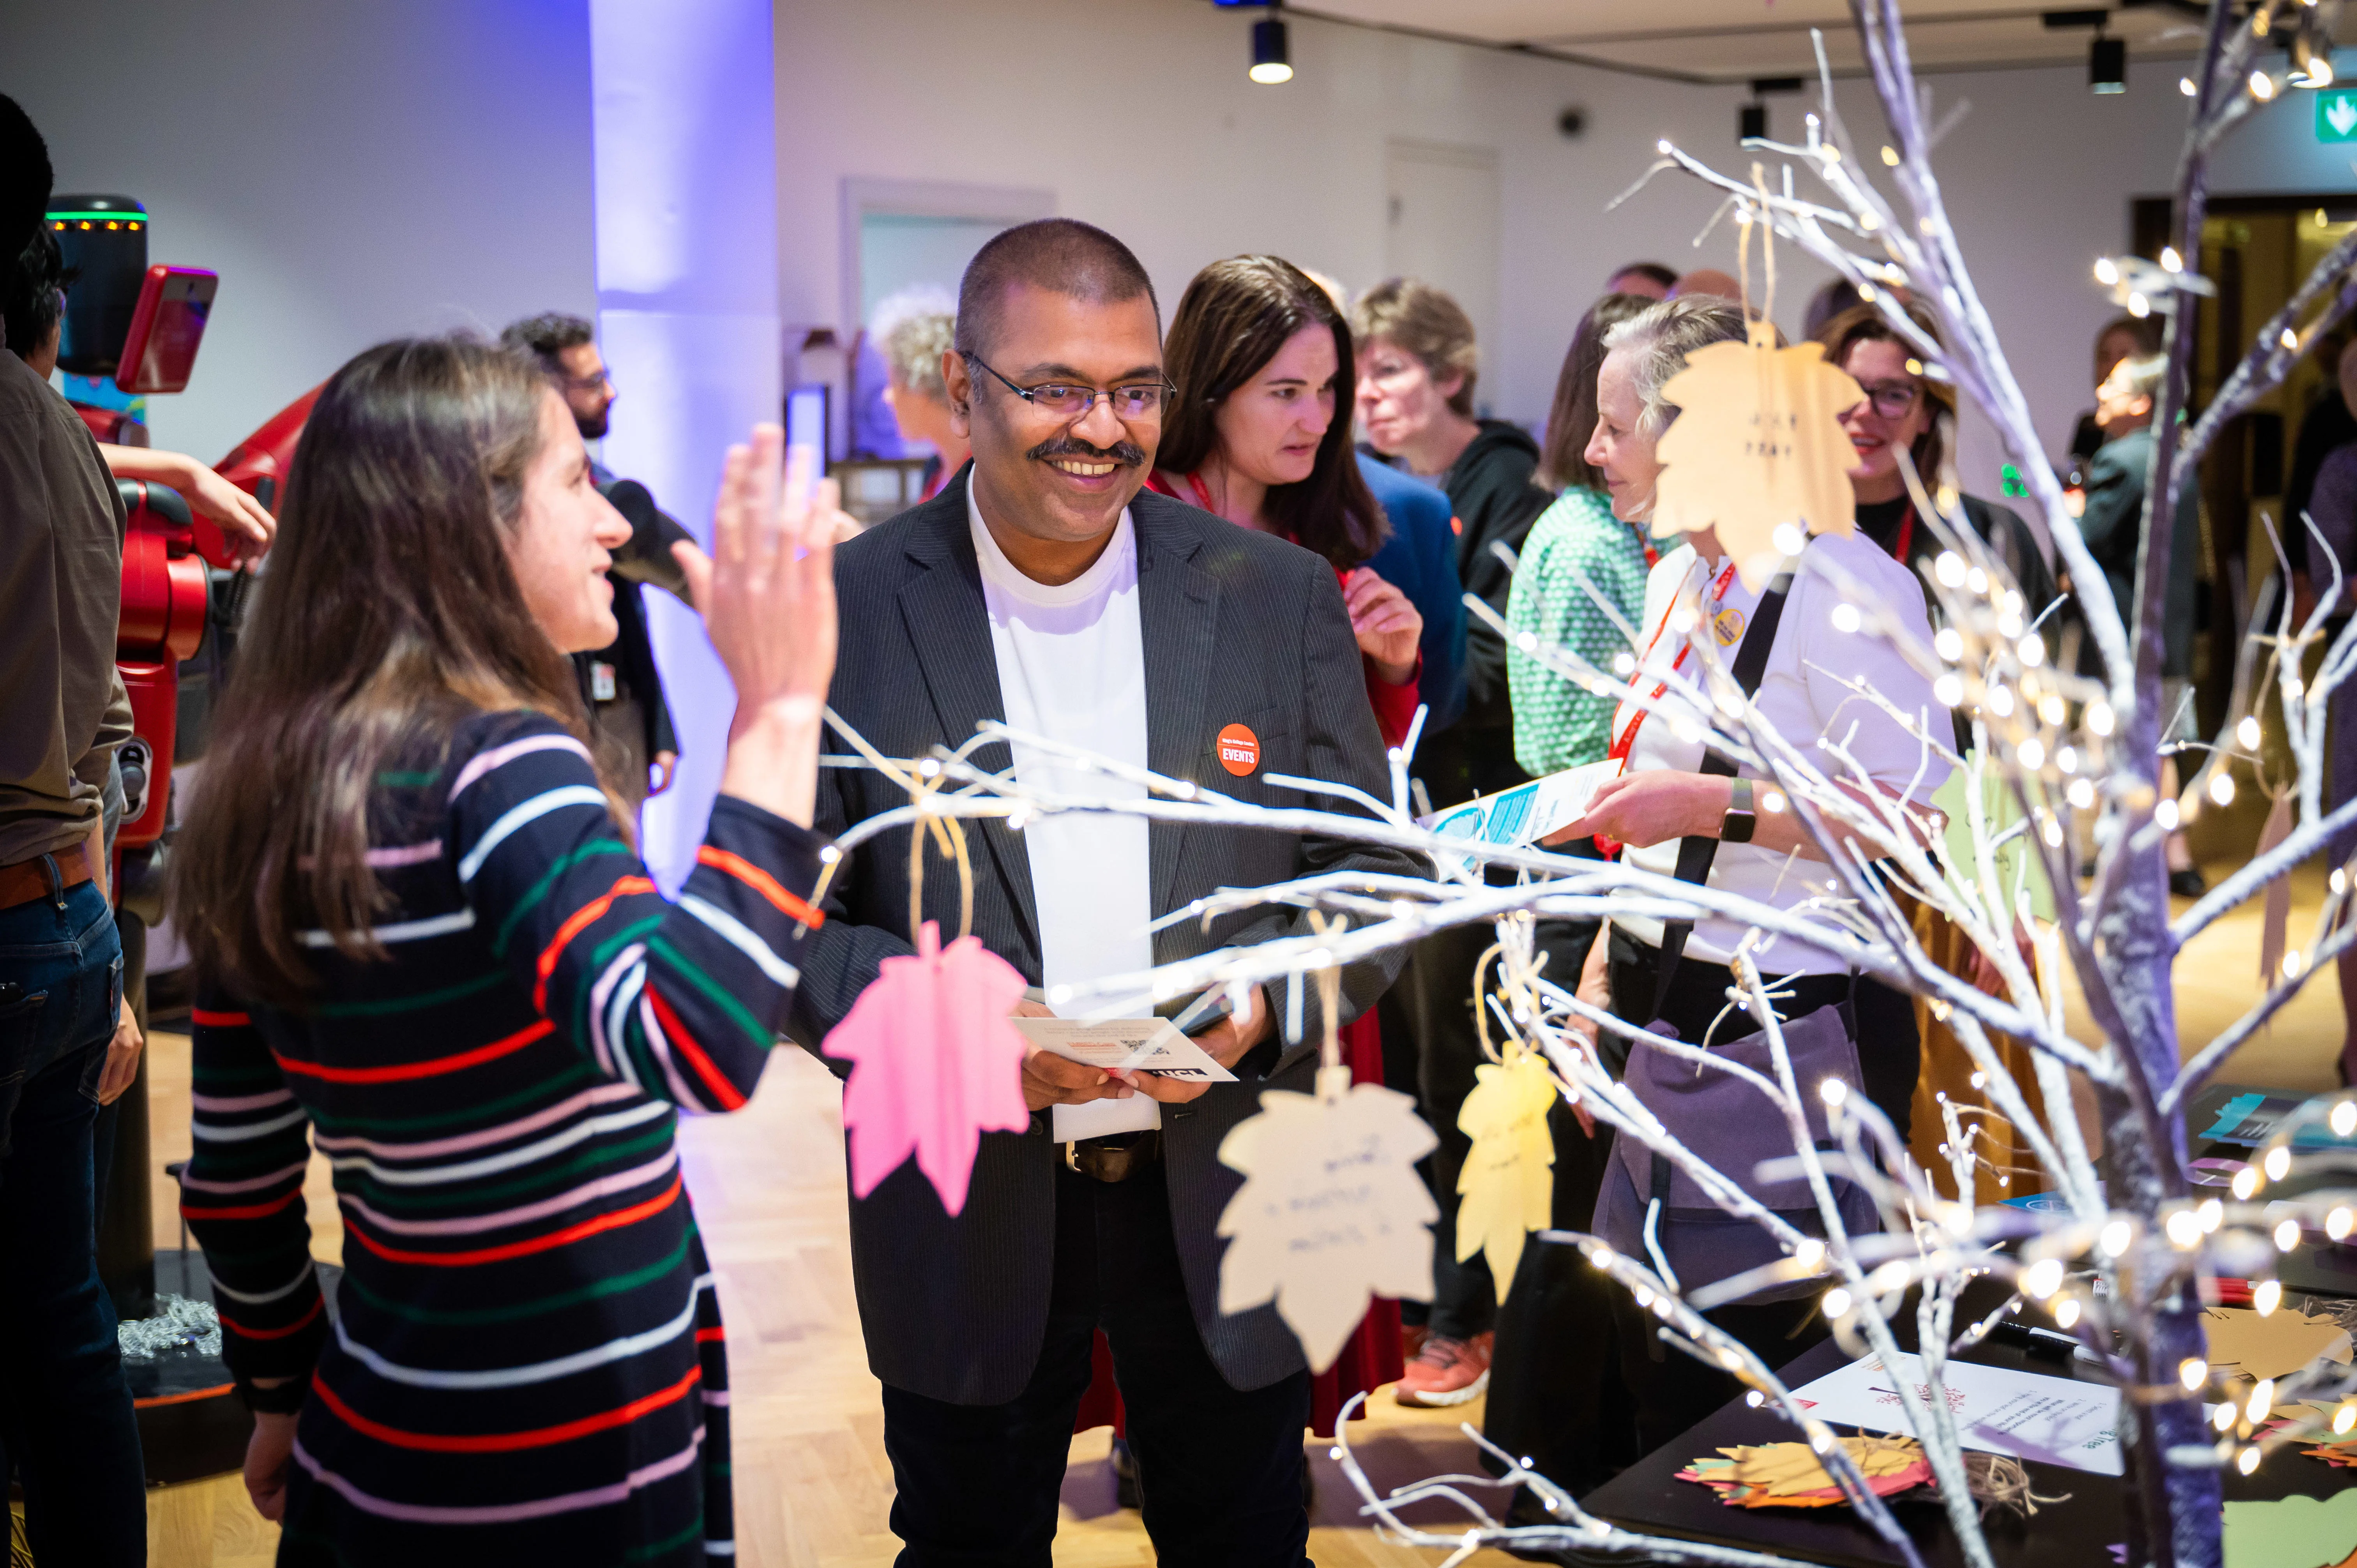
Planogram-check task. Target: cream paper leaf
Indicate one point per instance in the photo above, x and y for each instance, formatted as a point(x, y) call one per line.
point(1508, 1182)
point(1331, 1212)
point(1758, 443)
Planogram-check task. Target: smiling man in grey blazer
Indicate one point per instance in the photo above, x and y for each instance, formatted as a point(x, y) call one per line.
point(1043, 587)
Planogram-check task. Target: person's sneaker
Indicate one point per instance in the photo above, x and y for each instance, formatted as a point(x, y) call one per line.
point(1445, 1372)
point(1412, 1338)
point(2188, 883)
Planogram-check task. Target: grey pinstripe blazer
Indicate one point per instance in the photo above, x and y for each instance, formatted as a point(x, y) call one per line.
point(1238, 627)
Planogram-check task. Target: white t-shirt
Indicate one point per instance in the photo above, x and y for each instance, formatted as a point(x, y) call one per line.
point(1802, 694)
point(1071, 668)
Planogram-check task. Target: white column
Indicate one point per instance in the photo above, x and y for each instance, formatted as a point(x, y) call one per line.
point(687, 306)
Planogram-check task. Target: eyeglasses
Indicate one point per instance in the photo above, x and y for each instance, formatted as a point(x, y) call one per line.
point(585, 383)
point(1135, 402)
point(1892, 400)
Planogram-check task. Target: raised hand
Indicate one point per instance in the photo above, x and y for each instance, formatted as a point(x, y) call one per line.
point(768, 596)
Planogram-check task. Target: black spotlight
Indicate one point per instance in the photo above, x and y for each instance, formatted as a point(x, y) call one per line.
point(1270, 62)
point(2107, 64)
point(1751, 122)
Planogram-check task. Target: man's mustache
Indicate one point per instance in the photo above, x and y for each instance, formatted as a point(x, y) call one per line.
point(1129, 454)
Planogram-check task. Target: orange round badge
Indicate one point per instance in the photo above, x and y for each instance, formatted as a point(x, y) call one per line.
point(1239, 750)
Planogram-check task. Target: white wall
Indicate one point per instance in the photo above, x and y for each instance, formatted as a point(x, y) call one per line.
point(352, 172)
point(1029, 92)
point(1138, 115)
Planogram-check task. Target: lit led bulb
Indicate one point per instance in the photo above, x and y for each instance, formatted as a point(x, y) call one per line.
point(2044, 1278)
point(2194, 1371)
point(2337, 1223)
point(1949, 569)
point(2099, 718)
point(2287, 1235)
point(2184, 1231)
point(2166, 815)
point(2082, 793)
point(2278, 1162)
point(1948, 644)
point(2222, 788)
point(2066, 1312)
point(1836, 1302)
point(2246, 1184)
point(2114, 1239)
point(2265, 1297)
point(2247, 732)
point(2345, 1118)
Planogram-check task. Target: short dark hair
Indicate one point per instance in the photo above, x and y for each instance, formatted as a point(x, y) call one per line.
point(546, 336)
point(24, 185)
point(1654, 270)
point(32, 297)
point(1062, 255)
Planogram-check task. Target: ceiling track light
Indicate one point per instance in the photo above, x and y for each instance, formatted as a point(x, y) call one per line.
point(2107, 65)
point(1271, 59)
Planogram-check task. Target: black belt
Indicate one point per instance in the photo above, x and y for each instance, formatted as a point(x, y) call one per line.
point(1117, 1157)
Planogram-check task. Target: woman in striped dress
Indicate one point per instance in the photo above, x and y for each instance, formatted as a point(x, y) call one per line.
point(423, 939)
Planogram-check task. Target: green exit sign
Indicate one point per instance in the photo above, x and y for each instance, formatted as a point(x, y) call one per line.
point(2336, 115)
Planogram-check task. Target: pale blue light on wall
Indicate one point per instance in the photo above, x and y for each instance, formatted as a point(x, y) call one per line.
point(688, 285)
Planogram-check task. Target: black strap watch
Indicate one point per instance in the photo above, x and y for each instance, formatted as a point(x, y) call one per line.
point(1737, 826)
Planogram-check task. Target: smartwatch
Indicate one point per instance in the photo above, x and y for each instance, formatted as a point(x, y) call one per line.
point(1736, 827)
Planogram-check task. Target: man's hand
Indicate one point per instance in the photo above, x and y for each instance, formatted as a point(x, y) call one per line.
point(245, 524)
point(665, 768)
point(1650, 808)
point(1385, 623)
point(267, 1453)
point(1227, 1042)
point(1050, 1079)
point(121, 1058)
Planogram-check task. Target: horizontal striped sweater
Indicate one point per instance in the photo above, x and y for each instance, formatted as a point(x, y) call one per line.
point(525, 1361)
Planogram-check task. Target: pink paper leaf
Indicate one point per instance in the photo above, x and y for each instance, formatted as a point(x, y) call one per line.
point(935, 1064)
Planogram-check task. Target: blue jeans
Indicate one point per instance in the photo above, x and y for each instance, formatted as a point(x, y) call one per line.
point(65, 1413)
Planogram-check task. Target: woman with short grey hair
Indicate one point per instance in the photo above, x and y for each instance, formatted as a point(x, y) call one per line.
point(914, 332)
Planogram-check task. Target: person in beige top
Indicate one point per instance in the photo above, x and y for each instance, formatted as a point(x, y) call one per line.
point(62, 713)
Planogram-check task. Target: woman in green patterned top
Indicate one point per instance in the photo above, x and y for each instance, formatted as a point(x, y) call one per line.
point(1557, 724)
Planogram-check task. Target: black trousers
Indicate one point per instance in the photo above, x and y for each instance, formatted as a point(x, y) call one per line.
point(1220, 1469)
point(1671, 1389)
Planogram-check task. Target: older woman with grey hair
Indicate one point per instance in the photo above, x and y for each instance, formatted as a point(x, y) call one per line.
point(1668, 793)
point(914, 333)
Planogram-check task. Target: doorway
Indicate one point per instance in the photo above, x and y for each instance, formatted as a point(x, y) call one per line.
point(908, 240)
point(2257, 250)
point(1444, 229)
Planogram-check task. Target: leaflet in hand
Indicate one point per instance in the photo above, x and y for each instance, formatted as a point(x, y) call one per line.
point(2029, 1415)
point(1126, 1045)
point(1527, 813)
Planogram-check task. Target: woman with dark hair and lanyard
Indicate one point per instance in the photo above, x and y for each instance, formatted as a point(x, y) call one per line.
point(423, 937)
point(1906, 411)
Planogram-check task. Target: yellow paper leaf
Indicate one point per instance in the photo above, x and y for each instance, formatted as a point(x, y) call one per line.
point(1508, 1183)
point(1782, 1469)
point(1758, 443)
point(2247, 1346)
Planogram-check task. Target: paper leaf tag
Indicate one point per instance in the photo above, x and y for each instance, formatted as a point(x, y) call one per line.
point(935, 1064)
point(1508, 1183)
point(1758, 443)
point(1331, 1212)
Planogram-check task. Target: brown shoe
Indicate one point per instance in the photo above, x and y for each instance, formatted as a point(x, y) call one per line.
point(1447, 1372)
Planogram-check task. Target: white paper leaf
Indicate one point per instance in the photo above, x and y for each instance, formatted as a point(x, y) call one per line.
point(1331, 1212)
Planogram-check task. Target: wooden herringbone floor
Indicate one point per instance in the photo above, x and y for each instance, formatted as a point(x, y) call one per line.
point(812, 1484)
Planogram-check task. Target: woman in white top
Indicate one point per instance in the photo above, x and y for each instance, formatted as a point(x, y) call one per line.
point(1663, 796)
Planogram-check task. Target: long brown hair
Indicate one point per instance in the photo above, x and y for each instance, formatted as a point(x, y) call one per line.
point(1234, 317)
point(387, 614)
point(1864, 324)
point(1562, 459)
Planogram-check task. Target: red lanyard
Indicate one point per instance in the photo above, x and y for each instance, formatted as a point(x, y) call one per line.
point(1202, 495)
point(1627, 739)
point(1906, 535)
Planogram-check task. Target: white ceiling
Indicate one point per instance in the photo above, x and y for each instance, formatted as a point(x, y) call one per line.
point(1741, 40)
